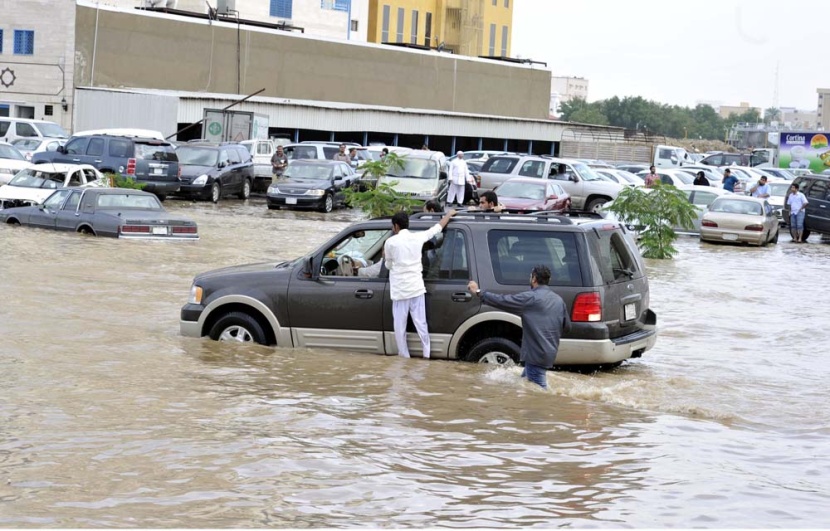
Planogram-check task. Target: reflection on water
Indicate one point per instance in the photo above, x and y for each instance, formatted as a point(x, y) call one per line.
point(111, 419)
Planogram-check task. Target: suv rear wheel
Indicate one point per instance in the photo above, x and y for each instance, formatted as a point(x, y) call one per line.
point(246, 189)
point(496, 350)
point(238, 326)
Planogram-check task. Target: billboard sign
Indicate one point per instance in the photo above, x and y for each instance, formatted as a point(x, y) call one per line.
point(804, 150)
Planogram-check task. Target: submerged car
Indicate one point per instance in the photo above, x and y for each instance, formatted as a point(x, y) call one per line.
point(32, 186)
point(311, 184)
point(740, 219)
point(525, 194)
point(114, 212)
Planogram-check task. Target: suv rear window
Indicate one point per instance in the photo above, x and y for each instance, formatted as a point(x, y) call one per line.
point(499, 165)
point(514, 253)
point(163, 152)
point(614, 257)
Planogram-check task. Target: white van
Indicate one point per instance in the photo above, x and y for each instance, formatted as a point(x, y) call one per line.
point(671, 156)
point(14, 128)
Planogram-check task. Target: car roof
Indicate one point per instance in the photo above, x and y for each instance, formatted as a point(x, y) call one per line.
point(61, 167)
point(128, 132)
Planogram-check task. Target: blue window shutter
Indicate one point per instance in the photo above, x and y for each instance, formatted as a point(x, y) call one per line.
point(1, 41)
point(24, 42)
point(342, 5)
point(281, 8)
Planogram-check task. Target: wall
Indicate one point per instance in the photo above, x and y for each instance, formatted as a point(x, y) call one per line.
point(45, 77)
point(100, 110)
point(162, 52)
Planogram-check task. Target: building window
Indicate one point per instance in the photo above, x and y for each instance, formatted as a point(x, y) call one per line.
point(506, 3)
point(24, 42)
point(47, 110)
point(492, 40)
point(354, 25)
point(281, 8)
point(495, 2)
point(1, 41)
point(428, 30)
point(504, 41)
point(401, 15)
point(336, 5)
point(384, 37)
point(414, 39)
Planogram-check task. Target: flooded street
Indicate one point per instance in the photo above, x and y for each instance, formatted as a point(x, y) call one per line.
point(110, 418)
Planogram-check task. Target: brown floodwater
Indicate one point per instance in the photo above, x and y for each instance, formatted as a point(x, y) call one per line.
point(109, 418)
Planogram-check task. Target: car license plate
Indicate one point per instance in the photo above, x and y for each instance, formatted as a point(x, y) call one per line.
point(158, 171)
point(290, 200)
point(160, 231)
point(730, 237)
point(630, 312)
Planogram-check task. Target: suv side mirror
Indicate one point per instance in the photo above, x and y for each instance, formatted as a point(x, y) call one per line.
point(308, 268)
point(61, 149)
point(572, 178)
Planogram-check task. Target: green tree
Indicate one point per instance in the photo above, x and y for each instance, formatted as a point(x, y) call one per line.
point(568, 108)
point(655, 212)
point(379, 199)
point(771, 114)
point(589, 115)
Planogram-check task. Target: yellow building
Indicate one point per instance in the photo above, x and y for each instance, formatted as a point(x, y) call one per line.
point(467, 27)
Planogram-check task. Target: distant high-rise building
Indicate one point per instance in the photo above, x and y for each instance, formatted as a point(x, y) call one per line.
point(563, 89)
point(822, 114)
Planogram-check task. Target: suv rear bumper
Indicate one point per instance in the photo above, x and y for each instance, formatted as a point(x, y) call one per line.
point(598, 352)
point(160, 187)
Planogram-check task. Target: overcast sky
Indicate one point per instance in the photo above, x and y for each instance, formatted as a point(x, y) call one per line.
point(680, 52)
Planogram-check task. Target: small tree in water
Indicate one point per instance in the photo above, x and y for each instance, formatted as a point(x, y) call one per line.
point(655, 212)
point(379, 199)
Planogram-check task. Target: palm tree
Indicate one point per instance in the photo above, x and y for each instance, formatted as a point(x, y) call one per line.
point(771, 114)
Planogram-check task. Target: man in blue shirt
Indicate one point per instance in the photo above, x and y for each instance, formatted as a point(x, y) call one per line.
point(544, 318)
point(729, 180)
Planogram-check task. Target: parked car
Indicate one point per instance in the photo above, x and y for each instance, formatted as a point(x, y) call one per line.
point(780, 173)
point(29, 146)
point(211, 171)
point(312, 150)
point(315, 184)
point(620, 176)
point(588, 190)
point(817, 217)
point(33, 185)
point(423, 176)
point(713, 174)
point(729, 159)
point(740, 219)
point(13, 128)
point(261, 151)
point(11, 162)
point(596, 269)
point(671, 176)
point(478, 155)
point(633, 168)
point(150, 161)
point(115, 212)
point(526, 194)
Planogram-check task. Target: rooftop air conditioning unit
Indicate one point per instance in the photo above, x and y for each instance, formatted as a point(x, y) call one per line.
point(226, 7)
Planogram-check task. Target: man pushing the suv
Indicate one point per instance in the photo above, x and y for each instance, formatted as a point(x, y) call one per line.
point(402, 255)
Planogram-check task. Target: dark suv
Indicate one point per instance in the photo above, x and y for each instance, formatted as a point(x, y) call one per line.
point(210, 170)
point(817, 190)
point(149, 161)
point(318, 301)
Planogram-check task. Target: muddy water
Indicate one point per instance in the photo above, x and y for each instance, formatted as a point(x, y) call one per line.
point(108, 418)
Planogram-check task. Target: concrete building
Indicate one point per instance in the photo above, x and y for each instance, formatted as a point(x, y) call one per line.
point(726, 111)
point(466, 27)
point(822, 113)
point(792, 118)
point(564, 88)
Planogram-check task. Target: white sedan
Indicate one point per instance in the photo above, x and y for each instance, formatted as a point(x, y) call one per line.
point(33, 185)
point(737, 218)
point(11, 162)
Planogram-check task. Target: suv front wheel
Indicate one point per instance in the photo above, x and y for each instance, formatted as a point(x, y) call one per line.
point(215, 192)
point(238, 326)
point(496, 350)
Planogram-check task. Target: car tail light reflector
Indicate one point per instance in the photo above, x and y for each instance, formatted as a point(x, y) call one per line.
point(707, 223)
point(184, 230)
point(131, 167)
point(132, 229)
point(587, 308)
point(754, 227)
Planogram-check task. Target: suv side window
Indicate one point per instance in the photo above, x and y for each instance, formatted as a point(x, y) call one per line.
point(355, 249)
point(96, 147)
point(233, 156)
point(119, 148)
point(532, 168)
point(24, 129)
point(263, 148)
point(565, 175)
point(4, 128)
point(499, 165)
point(445, 257)
point(223, 157)
point(715, 160)
point(614, 258)
point(77, 146)
point(330, 152)
point(244, 154)
point(514, 253)
point(818, 190)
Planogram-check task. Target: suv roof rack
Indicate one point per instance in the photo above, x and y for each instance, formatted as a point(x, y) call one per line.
point(471, 215)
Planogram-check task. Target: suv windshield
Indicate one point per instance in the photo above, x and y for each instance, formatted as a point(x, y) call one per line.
point(52, 130)
point(585, 172)
point(196, 156)
point(8, 152)
point(308, 172)
point(162, 152)
point(415, 169)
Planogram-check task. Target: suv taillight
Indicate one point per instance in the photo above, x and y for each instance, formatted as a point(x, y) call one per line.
point(130, 166)
point(587, 308)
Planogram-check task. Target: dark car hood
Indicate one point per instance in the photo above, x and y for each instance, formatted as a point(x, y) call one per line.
point(290, 184)
point(238, 270)
point(189, 170)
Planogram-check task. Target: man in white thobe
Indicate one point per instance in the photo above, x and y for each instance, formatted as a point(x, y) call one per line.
point(459, 174)
point(402, 255)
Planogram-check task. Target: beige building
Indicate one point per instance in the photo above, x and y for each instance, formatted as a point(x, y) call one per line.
point(792, 118)
point(822, 113)
point(726, 111)
point(563, 89)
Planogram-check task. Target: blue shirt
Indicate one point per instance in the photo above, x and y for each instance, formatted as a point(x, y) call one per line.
point(544, 318)
point(729, 183)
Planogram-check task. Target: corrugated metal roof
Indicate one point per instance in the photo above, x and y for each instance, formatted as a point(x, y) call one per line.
point(338, 116)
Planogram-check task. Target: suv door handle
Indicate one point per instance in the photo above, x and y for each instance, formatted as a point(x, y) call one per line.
point(364, 294)
point(461, 297)
point(76, 160)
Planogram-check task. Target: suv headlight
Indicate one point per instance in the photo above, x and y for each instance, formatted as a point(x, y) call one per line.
point(195, 295)
point(202, 179)
point(317, 193)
